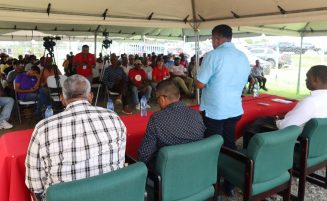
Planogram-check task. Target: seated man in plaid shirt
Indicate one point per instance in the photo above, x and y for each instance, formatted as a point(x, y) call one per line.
point(80, 142)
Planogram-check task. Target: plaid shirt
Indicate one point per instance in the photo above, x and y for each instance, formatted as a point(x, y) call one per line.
point(82, 141)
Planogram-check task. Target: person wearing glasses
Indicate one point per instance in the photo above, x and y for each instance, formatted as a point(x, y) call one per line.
point(174, 124)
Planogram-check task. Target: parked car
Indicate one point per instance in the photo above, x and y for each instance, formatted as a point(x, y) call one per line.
point(270, 55)
point(252, 58)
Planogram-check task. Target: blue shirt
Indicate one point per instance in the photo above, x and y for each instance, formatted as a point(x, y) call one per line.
point(176, 124)
point(224, 71)
point(111, 73)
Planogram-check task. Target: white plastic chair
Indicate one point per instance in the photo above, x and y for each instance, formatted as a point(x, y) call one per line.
point(52, 85)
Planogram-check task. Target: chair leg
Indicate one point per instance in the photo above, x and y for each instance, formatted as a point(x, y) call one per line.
point(287, 192)
point(301, 186)
point(18, 111)
point(217, 189)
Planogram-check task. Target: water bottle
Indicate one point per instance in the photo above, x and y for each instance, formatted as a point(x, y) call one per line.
point(48, 112)
point(256, 89)
point(110, 105)
point(144, 103)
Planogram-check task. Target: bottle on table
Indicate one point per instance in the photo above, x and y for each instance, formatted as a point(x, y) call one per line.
point(144, 103)
point(256, 89)
point(48, 112)
point(110, 105)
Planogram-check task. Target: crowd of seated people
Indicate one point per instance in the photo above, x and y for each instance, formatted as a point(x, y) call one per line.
point(131, 76)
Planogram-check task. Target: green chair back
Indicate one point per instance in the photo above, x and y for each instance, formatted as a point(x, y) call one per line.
point(316, 132)
point(272, 153)
point(189, 171)
point(126, 184)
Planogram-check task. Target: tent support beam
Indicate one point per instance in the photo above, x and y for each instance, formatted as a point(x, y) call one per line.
point(195, 27)
point(300, 59)
point(299, 72)
point(95, 43)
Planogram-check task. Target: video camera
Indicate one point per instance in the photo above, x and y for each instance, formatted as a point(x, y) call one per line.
point(49, 43)
point(106, 42)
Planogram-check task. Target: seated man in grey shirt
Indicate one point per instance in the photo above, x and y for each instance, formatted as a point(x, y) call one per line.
point(174, 124)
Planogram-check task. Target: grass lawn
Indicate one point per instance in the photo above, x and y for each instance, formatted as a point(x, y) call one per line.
point(283, 82)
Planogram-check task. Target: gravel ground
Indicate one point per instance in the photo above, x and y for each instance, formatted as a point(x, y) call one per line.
point(312, 192)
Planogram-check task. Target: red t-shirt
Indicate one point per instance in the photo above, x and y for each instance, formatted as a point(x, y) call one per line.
point(137, 75)
point(84, 65)
point(160, 74)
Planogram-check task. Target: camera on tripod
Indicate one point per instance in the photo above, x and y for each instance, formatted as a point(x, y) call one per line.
point(49, 43)
point(106, 42)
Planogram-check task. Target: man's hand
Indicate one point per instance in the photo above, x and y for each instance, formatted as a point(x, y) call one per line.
point(199, 84)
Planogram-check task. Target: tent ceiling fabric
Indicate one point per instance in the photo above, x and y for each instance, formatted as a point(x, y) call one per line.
point(131, 17)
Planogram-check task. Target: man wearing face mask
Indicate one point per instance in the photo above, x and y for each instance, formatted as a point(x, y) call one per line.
point(174, 124)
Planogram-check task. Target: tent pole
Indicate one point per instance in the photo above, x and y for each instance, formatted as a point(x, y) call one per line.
point(197, 48)
point(195, 26)
point(299, 72)
point(95, 43)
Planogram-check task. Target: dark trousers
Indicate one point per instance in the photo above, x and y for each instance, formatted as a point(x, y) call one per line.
point(121, 87)
point(262, 81)
point(261, 124)
point(225, 128)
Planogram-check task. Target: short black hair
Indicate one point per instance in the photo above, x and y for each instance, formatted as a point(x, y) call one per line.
point(223, 30)
point(320, 72)
point(169, 88)
point(36, 68)
point(85, 46)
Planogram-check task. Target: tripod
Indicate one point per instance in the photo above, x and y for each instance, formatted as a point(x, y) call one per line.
point(105, 62)
point(53, 66)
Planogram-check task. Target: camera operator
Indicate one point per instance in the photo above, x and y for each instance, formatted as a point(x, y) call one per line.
point(84, 63)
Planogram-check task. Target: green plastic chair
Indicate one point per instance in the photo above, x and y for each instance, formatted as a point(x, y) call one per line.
point(264, 168)
point(187, 172)
point(126, 184)
point(311, 155)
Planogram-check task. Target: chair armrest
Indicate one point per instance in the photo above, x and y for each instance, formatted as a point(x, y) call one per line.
point(129, 159)
point(235, 154)
point(153, 175)
point(269, 127)
point(248, 172)
point(156, 178)
point(304, 151)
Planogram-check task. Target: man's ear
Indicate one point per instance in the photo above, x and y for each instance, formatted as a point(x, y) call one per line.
point(63, 101)
point(90, 97)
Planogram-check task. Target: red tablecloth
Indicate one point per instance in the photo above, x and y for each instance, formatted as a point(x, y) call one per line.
point(253, 110)
point(13, 146)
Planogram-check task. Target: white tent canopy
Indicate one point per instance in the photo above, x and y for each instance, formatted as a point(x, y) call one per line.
point(168, 18)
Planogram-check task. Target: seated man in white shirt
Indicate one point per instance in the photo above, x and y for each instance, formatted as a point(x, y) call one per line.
point(313, 106)
point(179, 74)
point(80, 142)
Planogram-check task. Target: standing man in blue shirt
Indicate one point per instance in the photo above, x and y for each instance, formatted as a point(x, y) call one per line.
point(223, 74)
